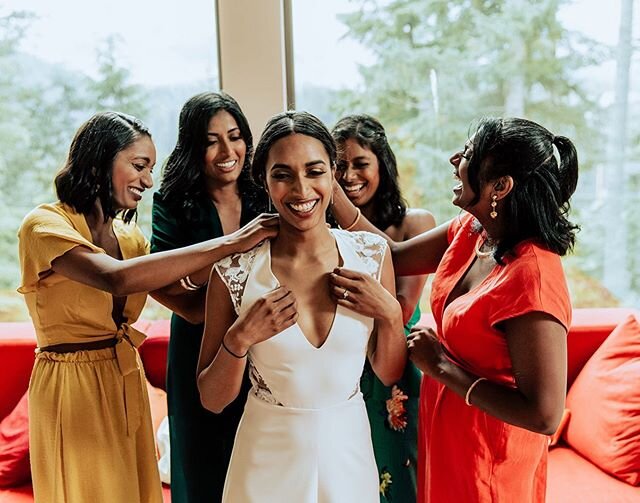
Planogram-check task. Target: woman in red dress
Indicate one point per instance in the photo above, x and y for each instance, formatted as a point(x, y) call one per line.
point(495, 368)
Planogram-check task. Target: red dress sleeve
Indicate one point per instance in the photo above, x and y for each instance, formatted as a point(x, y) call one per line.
point(537, 284)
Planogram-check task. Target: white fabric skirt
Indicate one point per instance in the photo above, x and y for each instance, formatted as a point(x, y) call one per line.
point(302, 455)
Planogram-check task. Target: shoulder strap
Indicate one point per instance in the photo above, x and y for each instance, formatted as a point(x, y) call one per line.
point(371, 249)
point(234, 272)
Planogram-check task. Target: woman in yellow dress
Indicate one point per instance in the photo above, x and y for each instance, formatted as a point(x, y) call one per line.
point(85, 274)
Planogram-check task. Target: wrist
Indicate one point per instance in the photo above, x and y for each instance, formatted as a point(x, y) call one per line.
point(393, 314)
point(235, 341)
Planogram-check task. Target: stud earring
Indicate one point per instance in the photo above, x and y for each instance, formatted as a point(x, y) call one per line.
point(494, 203)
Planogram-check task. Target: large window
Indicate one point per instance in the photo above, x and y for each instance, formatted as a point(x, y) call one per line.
point(62, 61)
point(427, 70)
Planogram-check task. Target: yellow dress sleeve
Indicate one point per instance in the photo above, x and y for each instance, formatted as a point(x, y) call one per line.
point(47, 233)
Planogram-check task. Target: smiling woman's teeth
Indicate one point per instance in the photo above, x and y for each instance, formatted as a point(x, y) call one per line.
point(226, 165)
point(354, 188)
point(303, 207)
point(135, 190)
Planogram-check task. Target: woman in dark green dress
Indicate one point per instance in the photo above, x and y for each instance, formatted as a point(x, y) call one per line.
point(369, 176)
point(206, 192)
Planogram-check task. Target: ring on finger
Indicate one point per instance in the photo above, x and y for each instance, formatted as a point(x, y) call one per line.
point(345, 294)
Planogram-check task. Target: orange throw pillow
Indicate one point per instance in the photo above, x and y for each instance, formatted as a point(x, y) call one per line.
point(14, 446)
point(605, 405)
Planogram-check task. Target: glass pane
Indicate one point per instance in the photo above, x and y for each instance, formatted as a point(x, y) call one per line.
point(62, 61)
point(428, 70)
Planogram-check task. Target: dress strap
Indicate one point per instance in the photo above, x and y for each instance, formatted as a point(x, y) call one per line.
point(370, 248)
point(234, 271)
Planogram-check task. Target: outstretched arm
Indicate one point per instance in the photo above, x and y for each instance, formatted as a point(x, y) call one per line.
point(419, 255)
point(151, 272)
point(409, 288)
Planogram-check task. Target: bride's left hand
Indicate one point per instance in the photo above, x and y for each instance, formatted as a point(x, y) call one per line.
point(363, 294)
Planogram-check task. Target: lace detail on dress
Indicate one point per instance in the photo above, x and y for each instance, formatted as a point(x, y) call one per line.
point(371, 249)
point(234, 271)
point(258, 387)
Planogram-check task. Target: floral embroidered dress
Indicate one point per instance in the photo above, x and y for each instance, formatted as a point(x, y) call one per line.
point(304, 436)
point(393, 417)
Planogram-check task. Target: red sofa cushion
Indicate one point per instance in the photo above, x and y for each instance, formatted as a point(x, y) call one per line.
point(605, 405)
point(14, 445)
point(573, 479)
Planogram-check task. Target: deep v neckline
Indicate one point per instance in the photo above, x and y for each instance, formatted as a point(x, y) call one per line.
point(458, 280)
point(336, 313)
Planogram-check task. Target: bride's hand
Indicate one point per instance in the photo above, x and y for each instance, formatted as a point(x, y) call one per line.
point(269, 315)
point(363, 294)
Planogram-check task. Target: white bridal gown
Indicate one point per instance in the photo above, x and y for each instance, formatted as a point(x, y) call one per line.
point(304, 436)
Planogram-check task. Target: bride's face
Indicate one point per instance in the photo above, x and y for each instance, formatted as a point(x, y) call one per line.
point(299, 179)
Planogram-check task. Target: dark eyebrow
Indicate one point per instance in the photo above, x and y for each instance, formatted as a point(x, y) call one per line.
point(309, 164)
point(230, 131)
point(142, 157)
point(360, 158)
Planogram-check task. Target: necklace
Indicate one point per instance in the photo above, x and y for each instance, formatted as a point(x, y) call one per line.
point(484, 254)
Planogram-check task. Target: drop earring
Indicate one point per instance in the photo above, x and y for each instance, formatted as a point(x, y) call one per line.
point(494, 203)
point(270, 209)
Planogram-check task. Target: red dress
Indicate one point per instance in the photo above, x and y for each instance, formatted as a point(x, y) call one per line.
point(466, 455)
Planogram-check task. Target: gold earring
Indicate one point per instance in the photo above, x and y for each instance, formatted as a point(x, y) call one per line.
point(494, 203)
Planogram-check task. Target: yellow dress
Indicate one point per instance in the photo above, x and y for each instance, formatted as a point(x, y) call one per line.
point(91, 438)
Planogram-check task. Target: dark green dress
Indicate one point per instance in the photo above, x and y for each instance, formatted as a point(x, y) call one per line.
point(201, 441)
point(393, 416)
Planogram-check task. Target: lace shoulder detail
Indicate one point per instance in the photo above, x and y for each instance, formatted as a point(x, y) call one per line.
point(370, 248)
point(234, 272)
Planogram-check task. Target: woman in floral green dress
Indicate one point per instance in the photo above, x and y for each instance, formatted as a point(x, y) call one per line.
point(369, 176)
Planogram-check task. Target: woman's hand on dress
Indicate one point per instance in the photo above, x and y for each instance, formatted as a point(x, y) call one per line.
point(426, 351)
point(269, 315)
point(363, 294)
point(264, 226)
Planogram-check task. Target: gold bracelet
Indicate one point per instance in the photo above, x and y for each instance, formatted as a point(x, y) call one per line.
point(473, 385)
point(357, 219)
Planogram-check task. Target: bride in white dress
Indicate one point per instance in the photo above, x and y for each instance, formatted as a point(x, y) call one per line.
point(304, 436)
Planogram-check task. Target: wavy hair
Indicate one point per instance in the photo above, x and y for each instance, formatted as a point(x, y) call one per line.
point(183, 177)
point(538, 205)
point(86, 174)
point(390, 206)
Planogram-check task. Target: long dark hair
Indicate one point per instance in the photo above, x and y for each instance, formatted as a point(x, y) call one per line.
point(86, 174)
point(285, 124)
point(390, 206)
point(538, 205)
point(183, 178)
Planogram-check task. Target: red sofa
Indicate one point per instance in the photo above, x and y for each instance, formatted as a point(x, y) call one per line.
point(17, 344)
point(571, 477)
